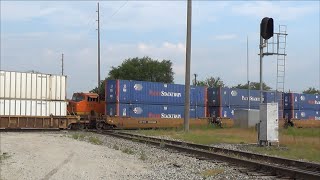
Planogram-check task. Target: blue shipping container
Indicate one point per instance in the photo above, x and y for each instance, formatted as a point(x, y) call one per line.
point(142, 92)
point(302, 114)
point(270, 97)
point(237, 97)
point(152, 111)
point(301, 101)
point(222, 112)
point(218, 96)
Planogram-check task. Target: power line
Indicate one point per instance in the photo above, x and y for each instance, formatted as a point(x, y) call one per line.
point(113, 14)
point(118, 9)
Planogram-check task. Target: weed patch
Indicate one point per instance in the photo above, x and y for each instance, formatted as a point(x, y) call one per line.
point(116, 147)
point(95, 140)
point(128, 151)
point(78, 136)
point(211, 172)
point(4, 156)
point(162, 144)
point(143, 156)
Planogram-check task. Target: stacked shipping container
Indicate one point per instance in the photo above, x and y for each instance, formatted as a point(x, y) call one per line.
point(302, 106)
point(32, 94)
point(223, 101)
point(129, 98)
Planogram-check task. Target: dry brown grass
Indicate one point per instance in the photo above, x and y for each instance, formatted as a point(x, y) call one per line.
point(211, 172)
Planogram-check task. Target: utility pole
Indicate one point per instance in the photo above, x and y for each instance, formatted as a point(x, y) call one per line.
point(195, 79)
point(98, 49)
point(62, 64)
point(248, 72)
point(187, 78)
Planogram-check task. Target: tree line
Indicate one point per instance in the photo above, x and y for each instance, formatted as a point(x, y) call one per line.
point(148, 69)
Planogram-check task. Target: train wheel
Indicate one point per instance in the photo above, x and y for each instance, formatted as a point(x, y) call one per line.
point(100, 125)
point(81, 126)
point(74, 126)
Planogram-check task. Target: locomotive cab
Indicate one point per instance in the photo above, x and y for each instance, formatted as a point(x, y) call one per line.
point(86, 104)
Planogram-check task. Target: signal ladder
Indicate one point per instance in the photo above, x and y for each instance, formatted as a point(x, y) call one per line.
point(277, 46)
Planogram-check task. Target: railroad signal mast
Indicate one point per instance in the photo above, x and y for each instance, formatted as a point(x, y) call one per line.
point(98, 31)
point(273, 43)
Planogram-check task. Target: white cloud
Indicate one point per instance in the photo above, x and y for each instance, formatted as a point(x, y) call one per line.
point(179, 47)
point(162, 22)
point(225, 37)
point(143, 47)
point(24, 11)
point(280, 10)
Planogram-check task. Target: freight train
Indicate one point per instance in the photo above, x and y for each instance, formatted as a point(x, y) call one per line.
point(140, 104)
point(33, 100)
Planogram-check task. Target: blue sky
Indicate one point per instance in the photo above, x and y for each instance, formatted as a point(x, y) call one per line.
point(35, 33)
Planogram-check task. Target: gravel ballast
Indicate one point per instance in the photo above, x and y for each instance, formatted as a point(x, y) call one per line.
point(65, 156)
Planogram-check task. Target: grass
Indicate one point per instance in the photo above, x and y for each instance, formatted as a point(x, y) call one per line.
point(82, 137)
point(116, 147)
point(205, 135)
point(211, 172)
point(127, 151)
point(4, 156)
point(78, 136)
point(143, 156)
point(95, 140)
point(295, 143)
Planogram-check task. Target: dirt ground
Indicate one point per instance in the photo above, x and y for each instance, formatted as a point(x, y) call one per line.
point(56, 156)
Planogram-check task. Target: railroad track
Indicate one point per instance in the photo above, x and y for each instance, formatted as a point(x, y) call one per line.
point(30, 130)
point(268, 165)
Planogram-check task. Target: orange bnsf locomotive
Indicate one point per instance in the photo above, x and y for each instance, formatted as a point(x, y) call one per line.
point(86, 104)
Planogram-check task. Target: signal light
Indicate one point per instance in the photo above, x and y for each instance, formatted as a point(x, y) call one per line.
point(266, 28)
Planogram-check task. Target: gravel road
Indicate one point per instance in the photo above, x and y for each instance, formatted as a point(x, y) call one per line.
point(75, 156)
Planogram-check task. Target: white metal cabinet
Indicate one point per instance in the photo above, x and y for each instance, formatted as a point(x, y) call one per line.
point(269, 124)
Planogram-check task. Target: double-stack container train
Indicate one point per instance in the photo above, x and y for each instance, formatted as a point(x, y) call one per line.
point(140, 104)
point(152, 104)
point(35, 100)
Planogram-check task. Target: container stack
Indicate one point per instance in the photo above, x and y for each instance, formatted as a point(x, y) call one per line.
point(223, 101)
point(32, 94)
point(302, 106)
point(141, 99)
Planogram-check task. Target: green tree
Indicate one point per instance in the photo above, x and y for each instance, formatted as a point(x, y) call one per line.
point(140, 69)
point(210, 82)
point(143, 69)
point(311, 90)
point(253, 86)
point(101, 91)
